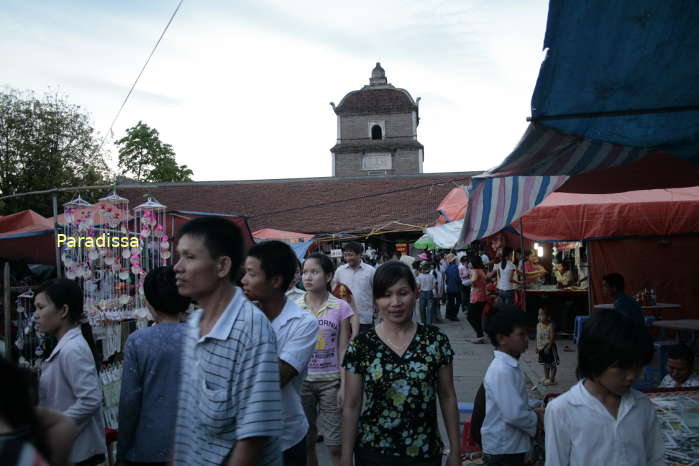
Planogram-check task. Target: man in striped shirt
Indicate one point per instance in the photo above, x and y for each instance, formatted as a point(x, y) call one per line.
point(229, 408)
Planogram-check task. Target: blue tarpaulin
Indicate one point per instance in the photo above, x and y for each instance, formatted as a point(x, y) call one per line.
point(616, 108)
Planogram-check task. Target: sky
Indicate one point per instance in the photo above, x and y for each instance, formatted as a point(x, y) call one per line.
point(242, 89)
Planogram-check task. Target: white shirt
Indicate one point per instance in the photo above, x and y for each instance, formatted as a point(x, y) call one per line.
point(508, 423)
point(69, 385)
point(296, 331)
point(505, 276)
point(359, 281)
point(580, 431)
point(426, 281)
point(669, 382)
point(229, 387)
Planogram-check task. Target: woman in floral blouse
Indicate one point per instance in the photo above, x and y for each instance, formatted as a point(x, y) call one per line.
point(401, 367)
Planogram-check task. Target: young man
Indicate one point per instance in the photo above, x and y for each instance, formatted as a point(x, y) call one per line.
point(613, 286)
point(509, 424)
point(465, 275)
point(453, 281)
point(269, 269)
point(358, 276)
point(229, 409)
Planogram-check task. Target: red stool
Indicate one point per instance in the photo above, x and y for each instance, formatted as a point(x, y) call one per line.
point(468, 445)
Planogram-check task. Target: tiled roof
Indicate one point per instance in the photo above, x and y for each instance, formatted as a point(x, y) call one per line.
point(312, 205)
point(369, 101)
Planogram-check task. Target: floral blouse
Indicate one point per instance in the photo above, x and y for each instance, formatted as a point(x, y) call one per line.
point(400, 410)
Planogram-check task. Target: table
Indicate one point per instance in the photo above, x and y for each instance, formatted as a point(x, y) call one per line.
point(553, 290)
point(686, 326)
point(678, 413)
point(655, 308)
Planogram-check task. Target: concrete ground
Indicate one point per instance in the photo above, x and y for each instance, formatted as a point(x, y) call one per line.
point(472, 360)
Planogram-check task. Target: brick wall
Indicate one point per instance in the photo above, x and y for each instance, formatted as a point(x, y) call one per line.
point(404, 162)
point(357, 127)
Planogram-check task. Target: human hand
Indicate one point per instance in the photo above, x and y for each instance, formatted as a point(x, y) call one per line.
point(341, 396)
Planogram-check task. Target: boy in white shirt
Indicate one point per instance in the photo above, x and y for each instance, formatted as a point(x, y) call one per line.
point(601, 419)
point(509, 424)
point(426, 284)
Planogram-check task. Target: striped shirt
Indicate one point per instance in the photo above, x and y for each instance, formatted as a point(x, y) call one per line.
point(229, 387)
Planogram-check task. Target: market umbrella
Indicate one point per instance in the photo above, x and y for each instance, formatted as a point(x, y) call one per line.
point(425, 242)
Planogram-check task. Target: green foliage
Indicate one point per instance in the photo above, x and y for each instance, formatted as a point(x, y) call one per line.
point(144, 157)
point(45, 143)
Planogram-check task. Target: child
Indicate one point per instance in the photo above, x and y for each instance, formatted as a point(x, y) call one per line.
point(509, 424)
point(680, 368)
point(546, 345)
point(426, 284)
point(601, 419)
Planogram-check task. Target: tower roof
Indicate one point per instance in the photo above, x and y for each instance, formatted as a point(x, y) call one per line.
point(376, 98)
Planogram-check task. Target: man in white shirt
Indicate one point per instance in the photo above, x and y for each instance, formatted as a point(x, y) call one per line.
point(229, 406)
point(269, 269)
point(358, 276)
point(509, 424)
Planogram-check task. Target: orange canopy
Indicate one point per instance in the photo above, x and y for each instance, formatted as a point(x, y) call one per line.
point(565, 216)
point(27, 236)
point(453, 206)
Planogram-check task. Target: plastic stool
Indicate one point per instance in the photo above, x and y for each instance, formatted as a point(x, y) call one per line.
point(468, 445)
point(577, 331)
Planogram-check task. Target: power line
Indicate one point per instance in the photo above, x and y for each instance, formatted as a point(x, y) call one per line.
point(133, 86)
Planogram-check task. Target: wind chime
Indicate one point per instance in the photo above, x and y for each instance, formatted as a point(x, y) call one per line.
point(30, 342)
point(155, 247)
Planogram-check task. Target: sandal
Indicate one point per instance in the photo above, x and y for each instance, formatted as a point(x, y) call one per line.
point(542, 380)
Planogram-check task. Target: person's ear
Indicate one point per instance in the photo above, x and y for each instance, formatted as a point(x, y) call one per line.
point(64, 312)
point(223, 266)
point(276, 281)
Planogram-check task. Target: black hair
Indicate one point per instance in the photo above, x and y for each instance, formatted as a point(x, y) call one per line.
point(506, 252)
point(683, 353)
point(614, 280)
point(62, 291)
point(353, 246)
point(610, 339)
point(276, 258)
point(161, 292)
point(325, 263)
point(463, 259)
point(528, 252)
point(17, 404)
point(416, 265)
point(476, 262)
point(221, 238)
point(545, 306)
point(502, 320)
point(389, 274)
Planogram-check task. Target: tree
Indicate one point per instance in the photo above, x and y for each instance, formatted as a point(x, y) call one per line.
point(145, 158)
point(45, 143)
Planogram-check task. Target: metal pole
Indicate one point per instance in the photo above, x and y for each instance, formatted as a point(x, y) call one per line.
point(54, 201)
point(8, 312)
point(524, 258)
point(589, 278)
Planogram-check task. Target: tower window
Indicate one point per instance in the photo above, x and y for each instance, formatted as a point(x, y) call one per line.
point(376, 133)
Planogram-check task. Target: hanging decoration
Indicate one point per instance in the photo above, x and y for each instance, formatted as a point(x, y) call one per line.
point(154, 249)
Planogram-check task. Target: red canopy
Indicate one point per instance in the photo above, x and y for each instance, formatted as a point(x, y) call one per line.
point(27, 236)
point(292, 237)
point(177, 218)
point(565, 216)
point(453, 206)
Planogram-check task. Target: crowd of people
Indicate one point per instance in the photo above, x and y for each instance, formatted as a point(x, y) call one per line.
point(274, 354)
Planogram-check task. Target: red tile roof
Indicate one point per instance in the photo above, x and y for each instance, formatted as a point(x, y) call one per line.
point(312, 205)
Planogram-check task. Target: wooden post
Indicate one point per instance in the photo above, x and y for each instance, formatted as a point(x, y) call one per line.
point(54, 201)
point(589, 278)
point(8, 312)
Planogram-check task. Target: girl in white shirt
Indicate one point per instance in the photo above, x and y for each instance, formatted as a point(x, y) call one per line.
point(507, 277)
point(69, 382)
point(601, 419)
